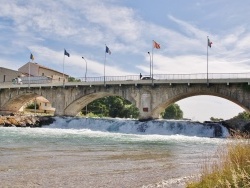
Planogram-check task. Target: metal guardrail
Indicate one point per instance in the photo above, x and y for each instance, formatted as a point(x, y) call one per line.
point(171, 77)
point(157, 77)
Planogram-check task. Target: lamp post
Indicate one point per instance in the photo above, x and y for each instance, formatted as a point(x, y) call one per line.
point(85, 69)
point(149, 64)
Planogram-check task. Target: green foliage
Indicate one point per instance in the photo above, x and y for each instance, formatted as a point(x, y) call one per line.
point(243, 115)
point(72, 79)
point(32, 106)
point(216, 119)
point(112, 106)
point(173, 111)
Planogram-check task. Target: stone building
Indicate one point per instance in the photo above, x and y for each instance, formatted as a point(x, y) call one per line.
point(7, 75)
point(37, 70)
point(44, 106)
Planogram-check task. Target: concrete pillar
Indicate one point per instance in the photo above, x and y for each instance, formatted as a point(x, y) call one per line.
point(58, 101)
point(145, 106)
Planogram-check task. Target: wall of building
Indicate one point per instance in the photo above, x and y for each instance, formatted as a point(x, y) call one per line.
point(33, 69)
point(6, 75)
point(56, 76)
point(38, 70)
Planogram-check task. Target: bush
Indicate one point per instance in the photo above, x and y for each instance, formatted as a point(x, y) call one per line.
point(32, 106)
point(243, 115)
point(232, 169)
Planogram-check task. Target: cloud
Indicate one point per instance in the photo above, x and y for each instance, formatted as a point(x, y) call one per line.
point(73, 63)
point(84, 28)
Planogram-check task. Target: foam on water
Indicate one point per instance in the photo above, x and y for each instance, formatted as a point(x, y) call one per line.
point(159, 127)
point(120, 130)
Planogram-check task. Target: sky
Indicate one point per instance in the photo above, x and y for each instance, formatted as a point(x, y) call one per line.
point(83, 27)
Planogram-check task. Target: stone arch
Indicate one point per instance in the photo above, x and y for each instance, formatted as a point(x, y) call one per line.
point(159, 108)
point(76, 106)
point(16, 102)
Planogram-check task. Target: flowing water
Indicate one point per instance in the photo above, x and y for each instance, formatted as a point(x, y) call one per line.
point(87, 152)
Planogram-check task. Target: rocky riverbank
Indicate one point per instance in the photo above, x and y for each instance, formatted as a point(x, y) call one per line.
point(236, 125)
point(25, 121)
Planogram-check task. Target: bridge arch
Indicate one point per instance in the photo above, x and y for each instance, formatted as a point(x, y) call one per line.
point(161, 107)
point(77, 105)
point(18, 101)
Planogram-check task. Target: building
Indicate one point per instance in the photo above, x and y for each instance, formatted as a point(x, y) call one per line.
point(7, 75)
point(43, 106)
point(36, 70)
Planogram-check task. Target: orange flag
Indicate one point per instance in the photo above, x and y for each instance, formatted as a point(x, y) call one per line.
point(156, 45)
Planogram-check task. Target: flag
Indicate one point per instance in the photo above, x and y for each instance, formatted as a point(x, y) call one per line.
point(156, 45)
point(108, 51)
point(66, 53)
point(32, 57)
point(209, 43)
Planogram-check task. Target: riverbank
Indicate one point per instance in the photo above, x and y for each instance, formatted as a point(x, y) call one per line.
point(25, 121)
point(231, 170)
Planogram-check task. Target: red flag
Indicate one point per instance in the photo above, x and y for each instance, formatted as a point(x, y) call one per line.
point(156, 45)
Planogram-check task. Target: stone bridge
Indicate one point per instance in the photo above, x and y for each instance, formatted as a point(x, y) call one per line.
point(151, 97)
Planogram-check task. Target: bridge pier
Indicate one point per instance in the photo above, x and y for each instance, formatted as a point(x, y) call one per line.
point(145, 106)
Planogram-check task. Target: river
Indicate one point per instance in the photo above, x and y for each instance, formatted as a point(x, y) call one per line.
point(107, 153)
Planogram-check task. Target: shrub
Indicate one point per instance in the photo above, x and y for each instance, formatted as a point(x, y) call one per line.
point(231, 170)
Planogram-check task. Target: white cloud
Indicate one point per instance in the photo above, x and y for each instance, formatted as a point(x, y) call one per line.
point(45, 27)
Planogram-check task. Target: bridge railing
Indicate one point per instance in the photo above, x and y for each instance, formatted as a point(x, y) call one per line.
point(172, 77)
point(201, 76)
point(196, 76)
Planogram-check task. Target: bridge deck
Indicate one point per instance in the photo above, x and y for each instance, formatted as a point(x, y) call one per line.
point(202, 78)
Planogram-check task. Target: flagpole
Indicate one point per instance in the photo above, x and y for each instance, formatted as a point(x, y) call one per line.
point(152, 63)
point(29, 74)
point(104, 63)
point(32, 58)
point(63, 63)
point(149, 64)
point(207, 61)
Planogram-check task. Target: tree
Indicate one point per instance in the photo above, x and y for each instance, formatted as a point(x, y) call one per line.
point(215, 119)
point(112, 106)
point(173, 111)
point(243, 115)
point(72, 79)
point(32, 105)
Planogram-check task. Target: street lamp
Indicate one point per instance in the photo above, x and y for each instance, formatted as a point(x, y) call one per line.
point(86, 69)
point(149, 64)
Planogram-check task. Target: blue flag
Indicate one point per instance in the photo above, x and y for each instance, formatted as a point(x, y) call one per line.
point(66, 53)
point(108, 51)
point(209, 43)
point(32, 57)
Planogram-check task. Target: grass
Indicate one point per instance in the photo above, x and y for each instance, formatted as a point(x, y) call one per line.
point(232, 168)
